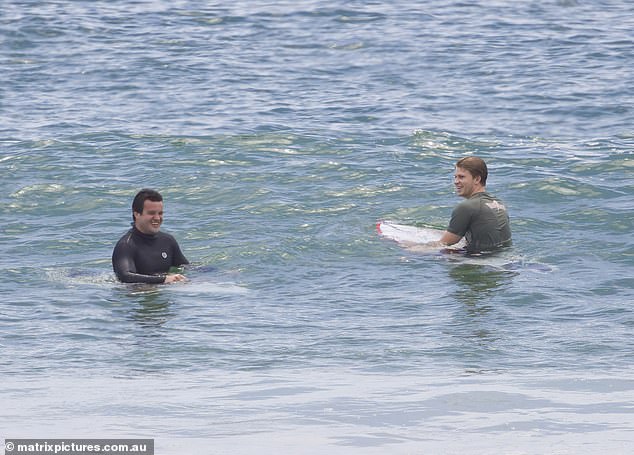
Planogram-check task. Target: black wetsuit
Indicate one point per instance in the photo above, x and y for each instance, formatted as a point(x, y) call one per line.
point(143, 258)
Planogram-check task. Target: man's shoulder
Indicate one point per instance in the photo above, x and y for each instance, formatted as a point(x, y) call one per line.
point(492, 202)
point(469, 203)
point(482, 197)
point(126, 237)
point(124, 246)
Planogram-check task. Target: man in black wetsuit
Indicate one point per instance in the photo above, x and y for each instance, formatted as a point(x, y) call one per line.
point(144, 254)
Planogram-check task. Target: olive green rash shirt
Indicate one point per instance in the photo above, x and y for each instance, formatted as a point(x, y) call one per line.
point(484, 222)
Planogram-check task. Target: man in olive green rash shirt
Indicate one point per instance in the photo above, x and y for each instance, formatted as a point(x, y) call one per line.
point(481, 218)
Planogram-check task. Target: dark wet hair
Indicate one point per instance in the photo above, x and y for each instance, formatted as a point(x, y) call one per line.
point(142, 196)
point(476, 167)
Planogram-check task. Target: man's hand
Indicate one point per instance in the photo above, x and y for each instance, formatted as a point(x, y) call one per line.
point(173, 277)
point(446, 240)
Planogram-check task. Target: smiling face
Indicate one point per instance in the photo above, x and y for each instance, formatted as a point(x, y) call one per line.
point(466, 185)
point(149, 222)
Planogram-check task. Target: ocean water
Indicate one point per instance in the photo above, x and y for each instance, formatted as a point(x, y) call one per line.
point(279, 133)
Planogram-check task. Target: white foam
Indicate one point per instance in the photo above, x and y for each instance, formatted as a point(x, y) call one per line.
point(207, 287)
point(76, 277)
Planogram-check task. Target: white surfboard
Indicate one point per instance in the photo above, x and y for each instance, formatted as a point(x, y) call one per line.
point(407, 235)
point(414, 238)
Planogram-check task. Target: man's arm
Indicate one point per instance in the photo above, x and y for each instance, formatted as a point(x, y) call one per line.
point(179, 257)
point(125, 268)
point(447, 239)
point(179, 260)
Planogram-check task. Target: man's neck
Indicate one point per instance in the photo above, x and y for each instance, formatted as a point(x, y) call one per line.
point(476, 191)
point(139, 231)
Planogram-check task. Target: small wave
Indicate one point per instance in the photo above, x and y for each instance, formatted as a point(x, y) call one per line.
point(81, 277)
point(503, 263)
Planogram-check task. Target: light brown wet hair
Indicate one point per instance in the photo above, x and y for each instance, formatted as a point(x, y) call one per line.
point(475, 166)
